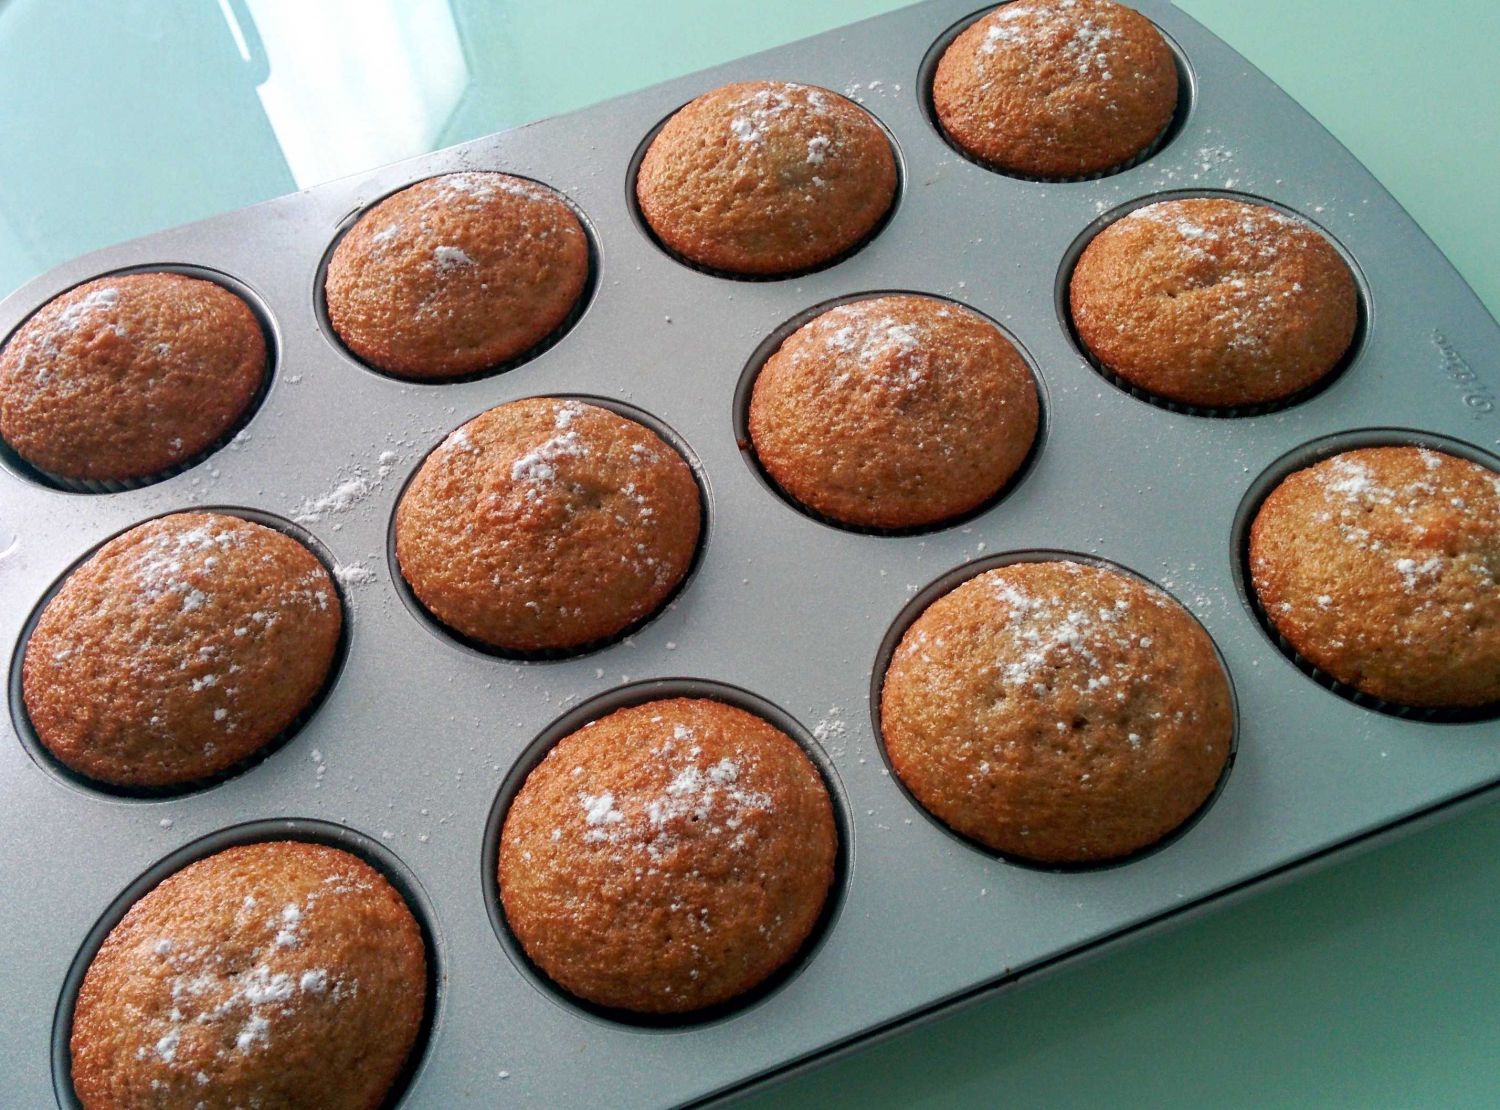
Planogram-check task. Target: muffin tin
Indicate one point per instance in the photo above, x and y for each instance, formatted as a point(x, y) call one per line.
point(421, 739)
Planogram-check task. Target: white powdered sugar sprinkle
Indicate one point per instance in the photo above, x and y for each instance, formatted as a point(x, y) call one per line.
point(237, 1004)
point(884, 349)
point(447, 259)
point(539, 464)
point(1033, 28)
point(599, 813)
point(764, 109)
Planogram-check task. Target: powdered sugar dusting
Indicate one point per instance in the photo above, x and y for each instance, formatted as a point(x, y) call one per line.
point(1240, 256)
point(758, 112)
point(349, 492)
point(710, 795)
point(1406, 520)
point(1028, 29)
point(476, 186)
point(228, 1006)
point(599, 813)
point(74, 315)
point(1057, 634)
point(447, 259)
point(882, 348)
point(539, 465)
point(351, 487)
point(40, 340)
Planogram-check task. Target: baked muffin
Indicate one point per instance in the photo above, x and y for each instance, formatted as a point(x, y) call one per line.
point(456, 274)
point(1056, 88)
point(546, 525)
point(179, 649)
point(1379, 567)
point(766, 178)
point(669, 857)
point(894, 412)
point(1214, 302)
point(1057, 712)
point(125, 377)
point(279, 974)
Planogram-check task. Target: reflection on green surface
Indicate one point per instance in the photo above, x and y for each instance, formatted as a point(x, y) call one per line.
point(1371, 984)
point(125, 118)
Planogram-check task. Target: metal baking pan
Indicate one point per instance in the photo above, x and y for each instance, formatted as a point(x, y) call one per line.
point(421, 737)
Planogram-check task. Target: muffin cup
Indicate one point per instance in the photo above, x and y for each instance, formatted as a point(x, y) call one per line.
point(1065, 310)
point(1186, 93)
point(308, 830)
point(540, 347)
point(745, 388)
point(1300, 458)
point(18, 463)
point(945, 584)
point(639, 218)
point(623, 697)
point(434, 624)
point(43, 757)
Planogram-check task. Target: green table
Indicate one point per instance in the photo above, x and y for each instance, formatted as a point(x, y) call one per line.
point(1371, 983)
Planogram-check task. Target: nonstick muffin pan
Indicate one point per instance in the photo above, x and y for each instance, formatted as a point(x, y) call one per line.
point(422, 738)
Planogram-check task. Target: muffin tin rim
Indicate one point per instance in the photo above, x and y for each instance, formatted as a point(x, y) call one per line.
point(1397, 235)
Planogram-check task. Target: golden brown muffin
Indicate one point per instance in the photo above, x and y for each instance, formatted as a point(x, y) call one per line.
point(1379, 567)
point(547, 524)
point(1214, 302)
point(1057, 712)
point(894, 412)
point(766, 178)
point(1056, 88)
point(180, 648)
point(279, 975)
point(456, 274)
point(669, 857)
point(125, 377)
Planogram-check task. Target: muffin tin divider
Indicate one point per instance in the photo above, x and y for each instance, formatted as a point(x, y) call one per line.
point(417, 735)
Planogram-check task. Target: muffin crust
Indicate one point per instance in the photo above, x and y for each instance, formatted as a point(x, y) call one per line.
point(668, 857)
point(1379, 567)
point(894, 412)
point(766, 178)
point(125, 377)
point(1057, 712)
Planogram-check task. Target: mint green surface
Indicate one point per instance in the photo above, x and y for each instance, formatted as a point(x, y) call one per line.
point(1373, 983)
